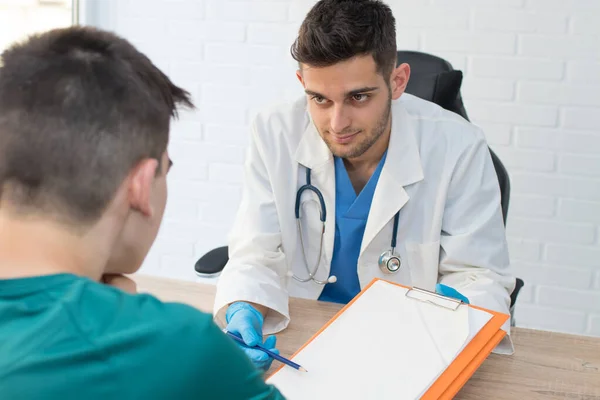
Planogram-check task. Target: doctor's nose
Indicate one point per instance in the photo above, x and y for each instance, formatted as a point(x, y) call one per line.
point(339, 120)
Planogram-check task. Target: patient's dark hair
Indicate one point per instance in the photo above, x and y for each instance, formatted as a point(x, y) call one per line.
point(337, 30)
point(79, 107)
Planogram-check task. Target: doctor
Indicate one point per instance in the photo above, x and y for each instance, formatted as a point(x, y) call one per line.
point(359, 180)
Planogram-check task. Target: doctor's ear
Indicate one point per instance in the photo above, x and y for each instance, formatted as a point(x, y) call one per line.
point(399, 80)
point(141, 184)
point(299, 76)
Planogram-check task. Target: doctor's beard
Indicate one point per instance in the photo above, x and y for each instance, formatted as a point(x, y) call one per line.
point(366, 139)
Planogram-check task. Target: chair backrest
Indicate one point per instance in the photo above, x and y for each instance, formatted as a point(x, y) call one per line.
point(433, 79)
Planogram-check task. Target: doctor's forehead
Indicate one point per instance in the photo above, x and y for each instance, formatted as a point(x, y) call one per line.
point(343, 77)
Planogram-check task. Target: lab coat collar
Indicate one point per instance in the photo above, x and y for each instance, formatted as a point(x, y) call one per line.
point(402, 168)
point(312, 151)
point(403, 162)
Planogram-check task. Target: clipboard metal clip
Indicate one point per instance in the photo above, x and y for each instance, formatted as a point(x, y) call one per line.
point(430, 297)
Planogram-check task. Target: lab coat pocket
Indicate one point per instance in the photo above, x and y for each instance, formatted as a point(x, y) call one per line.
point(423, 262)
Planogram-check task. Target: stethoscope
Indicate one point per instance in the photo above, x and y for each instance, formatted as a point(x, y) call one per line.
point(389, 261)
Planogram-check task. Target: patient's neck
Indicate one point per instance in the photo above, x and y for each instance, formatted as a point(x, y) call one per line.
point(33, 246)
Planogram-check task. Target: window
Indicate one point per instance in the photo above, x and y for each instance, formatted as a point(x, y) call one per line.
point(20, 18)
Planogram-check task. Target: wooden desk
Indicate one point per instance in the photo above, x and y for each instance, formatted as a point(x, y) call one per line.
point(545, 366)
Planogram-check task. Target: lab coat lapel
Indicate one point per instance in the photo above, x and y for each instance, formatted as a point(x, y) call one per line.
point(313, 153)
point(402, 167)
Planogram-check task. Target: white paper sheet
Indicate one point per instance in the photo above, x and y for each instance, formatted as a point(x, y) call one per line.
point(385, 346)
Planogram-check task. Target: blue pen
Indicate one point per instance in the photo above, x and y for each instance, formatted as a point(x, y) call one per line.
point(269, 352)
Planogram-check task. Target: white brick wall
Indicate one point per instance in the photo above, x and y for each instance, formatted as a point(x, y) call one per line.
point(20, 18)
point(532, 82)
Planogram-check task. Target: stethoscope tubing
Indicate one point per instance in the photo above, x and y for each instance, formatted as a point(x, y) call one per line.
point(309, 187)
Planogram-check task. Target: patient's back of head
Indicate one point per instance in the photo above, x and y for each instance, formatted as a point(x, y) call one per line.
point(78, 108)
point(84, 128)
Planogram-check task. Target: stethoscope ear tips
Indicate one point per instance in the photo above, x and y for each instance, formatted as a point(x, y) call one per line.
point(332, 279)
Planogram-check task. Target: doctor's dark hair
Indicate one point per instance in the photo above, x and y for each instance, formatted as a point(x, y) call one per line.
point(79, 107)
point(337, 30)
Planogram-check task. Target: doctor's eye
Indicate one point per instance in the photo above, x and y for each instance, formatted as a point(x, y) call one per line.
point(319, 100)
point(360, 97)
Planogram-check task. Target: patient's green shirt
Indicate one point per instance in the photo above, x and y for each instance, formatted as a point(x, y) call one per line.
point(68, 337)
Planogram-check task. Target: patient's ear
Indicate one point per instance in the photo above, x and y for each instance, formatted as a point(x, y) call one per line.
point(141, 182)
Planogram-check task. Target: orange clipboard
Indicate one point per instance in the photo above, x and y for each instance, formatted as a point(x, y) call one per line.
point(464, 365)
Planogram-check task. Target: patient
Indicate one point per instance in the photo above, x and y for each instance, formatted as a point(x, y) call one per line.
point(84, 127)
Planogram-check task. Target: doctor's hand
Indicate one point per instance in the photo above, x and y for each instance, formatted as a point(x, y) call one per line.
point(450, 292)
point(247, 321)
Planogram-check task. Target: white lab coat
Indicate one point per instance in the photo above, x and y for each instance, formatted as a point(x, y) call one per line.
point(438, 173)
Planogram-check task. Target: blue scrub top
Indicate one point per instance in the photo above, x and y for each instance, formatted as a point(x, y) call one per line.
point(351, 213)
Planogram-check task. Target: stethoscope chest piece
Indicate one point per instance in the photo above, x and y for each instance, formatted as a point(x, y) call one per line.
point(389, 262)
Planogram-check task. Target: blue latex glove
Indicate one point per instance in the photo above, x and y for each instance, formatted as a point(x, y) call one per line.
point(247, 322)
point(450, 292)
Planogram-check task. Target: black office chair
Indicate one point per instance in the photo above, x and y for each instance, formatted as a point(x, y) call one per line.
point(434, 79)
